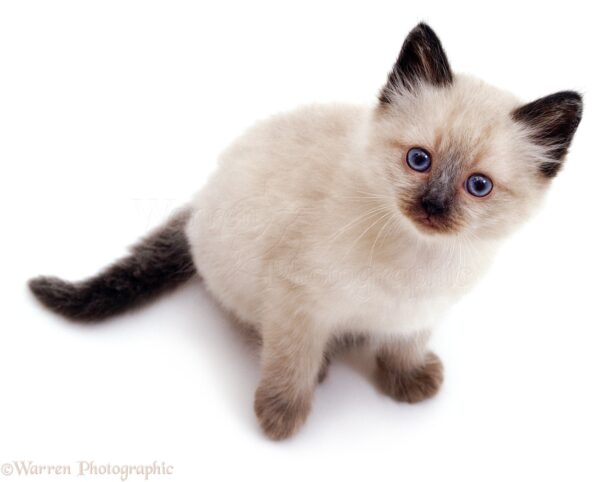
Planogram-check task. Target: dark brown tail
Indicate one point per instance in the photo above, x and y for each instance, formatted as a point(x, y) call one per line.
point(157, 264)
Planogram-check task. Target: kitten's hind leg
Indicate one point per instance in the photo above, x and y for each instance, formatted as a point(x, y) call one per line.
point(407, 371)
point(292, 354)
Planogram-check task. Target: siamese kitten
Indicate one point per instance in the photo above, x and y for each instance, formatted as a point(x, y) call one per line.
point(339, 221)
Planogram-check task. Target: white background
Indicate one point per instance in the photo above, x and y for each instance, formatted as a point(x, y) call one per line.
point(112, 114)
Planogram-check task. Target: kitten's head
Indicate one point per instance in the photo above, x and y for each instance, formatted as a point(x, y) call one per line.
point(464, 157)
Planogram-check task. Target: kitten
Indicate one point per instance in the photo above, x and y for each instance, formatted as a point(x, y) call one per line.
point(337, 222)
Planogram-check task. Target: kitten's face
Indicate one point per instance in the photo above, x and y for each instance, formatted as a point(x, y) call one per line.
point(437, 139)
point(463, 157)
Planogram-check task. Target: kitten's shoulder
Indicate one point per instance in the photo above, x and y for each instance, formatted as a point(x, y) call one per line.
point(315, 126)
point(331, 119)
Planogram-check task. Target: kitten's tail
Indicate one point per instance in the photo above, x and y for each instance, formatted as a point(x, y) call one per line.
point(158, 263)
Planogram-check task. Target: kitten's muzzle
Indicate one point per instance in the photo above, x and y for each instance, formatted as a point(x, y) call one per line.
point(432, 212)
point(434, 205)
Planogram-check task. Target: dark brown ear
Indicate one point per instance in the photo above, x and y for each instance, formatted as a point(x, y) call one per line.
point(552, 121)
point(422, 59)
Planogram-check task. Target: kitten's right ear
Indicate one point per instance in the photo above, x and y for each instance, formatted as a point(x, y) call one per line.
point(422, 59)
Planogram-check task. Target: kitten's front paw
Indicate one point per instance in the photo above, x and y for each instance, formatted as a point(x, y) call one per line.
point(414, 385)
point(280, 414)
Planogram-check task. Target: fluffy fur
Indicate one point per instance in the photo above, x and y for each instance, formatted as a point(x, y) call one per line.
point(315, 229)
point(158, 263)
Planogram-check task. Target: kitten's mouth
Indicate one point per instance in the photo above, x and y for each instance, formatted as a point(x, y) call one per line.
point(430, 220)
point(429, 224)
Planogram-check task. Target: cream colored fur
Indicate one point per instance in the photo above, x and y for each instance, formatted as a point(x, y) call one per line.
point(321, 226)
point(302, 217)
point(299, 232)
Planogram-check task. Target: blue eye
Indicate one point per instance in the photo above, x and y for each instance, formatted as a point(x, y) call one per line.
point(418, 159)
point(479, 185)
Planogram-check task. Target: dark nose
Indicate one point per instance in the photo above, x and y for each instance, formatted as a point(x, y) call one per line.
point(433, 206)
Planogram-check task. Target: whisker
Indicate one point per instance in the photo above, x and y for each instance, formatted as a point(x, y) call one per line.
point(363, 233)
point(356, 220)
point(390, 218)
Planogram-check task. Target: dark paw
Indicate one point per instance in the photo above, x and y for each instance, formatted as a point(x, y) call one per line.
point(280, 414)
point(414, 385)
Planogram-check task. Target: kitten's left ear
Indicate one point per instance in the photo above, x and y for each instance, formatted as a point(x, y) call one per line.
point(421, 60)
point(552, 122)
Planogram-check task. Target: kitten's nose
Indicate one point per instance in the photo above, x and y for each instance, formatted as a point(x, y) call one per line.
point(433, 206)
